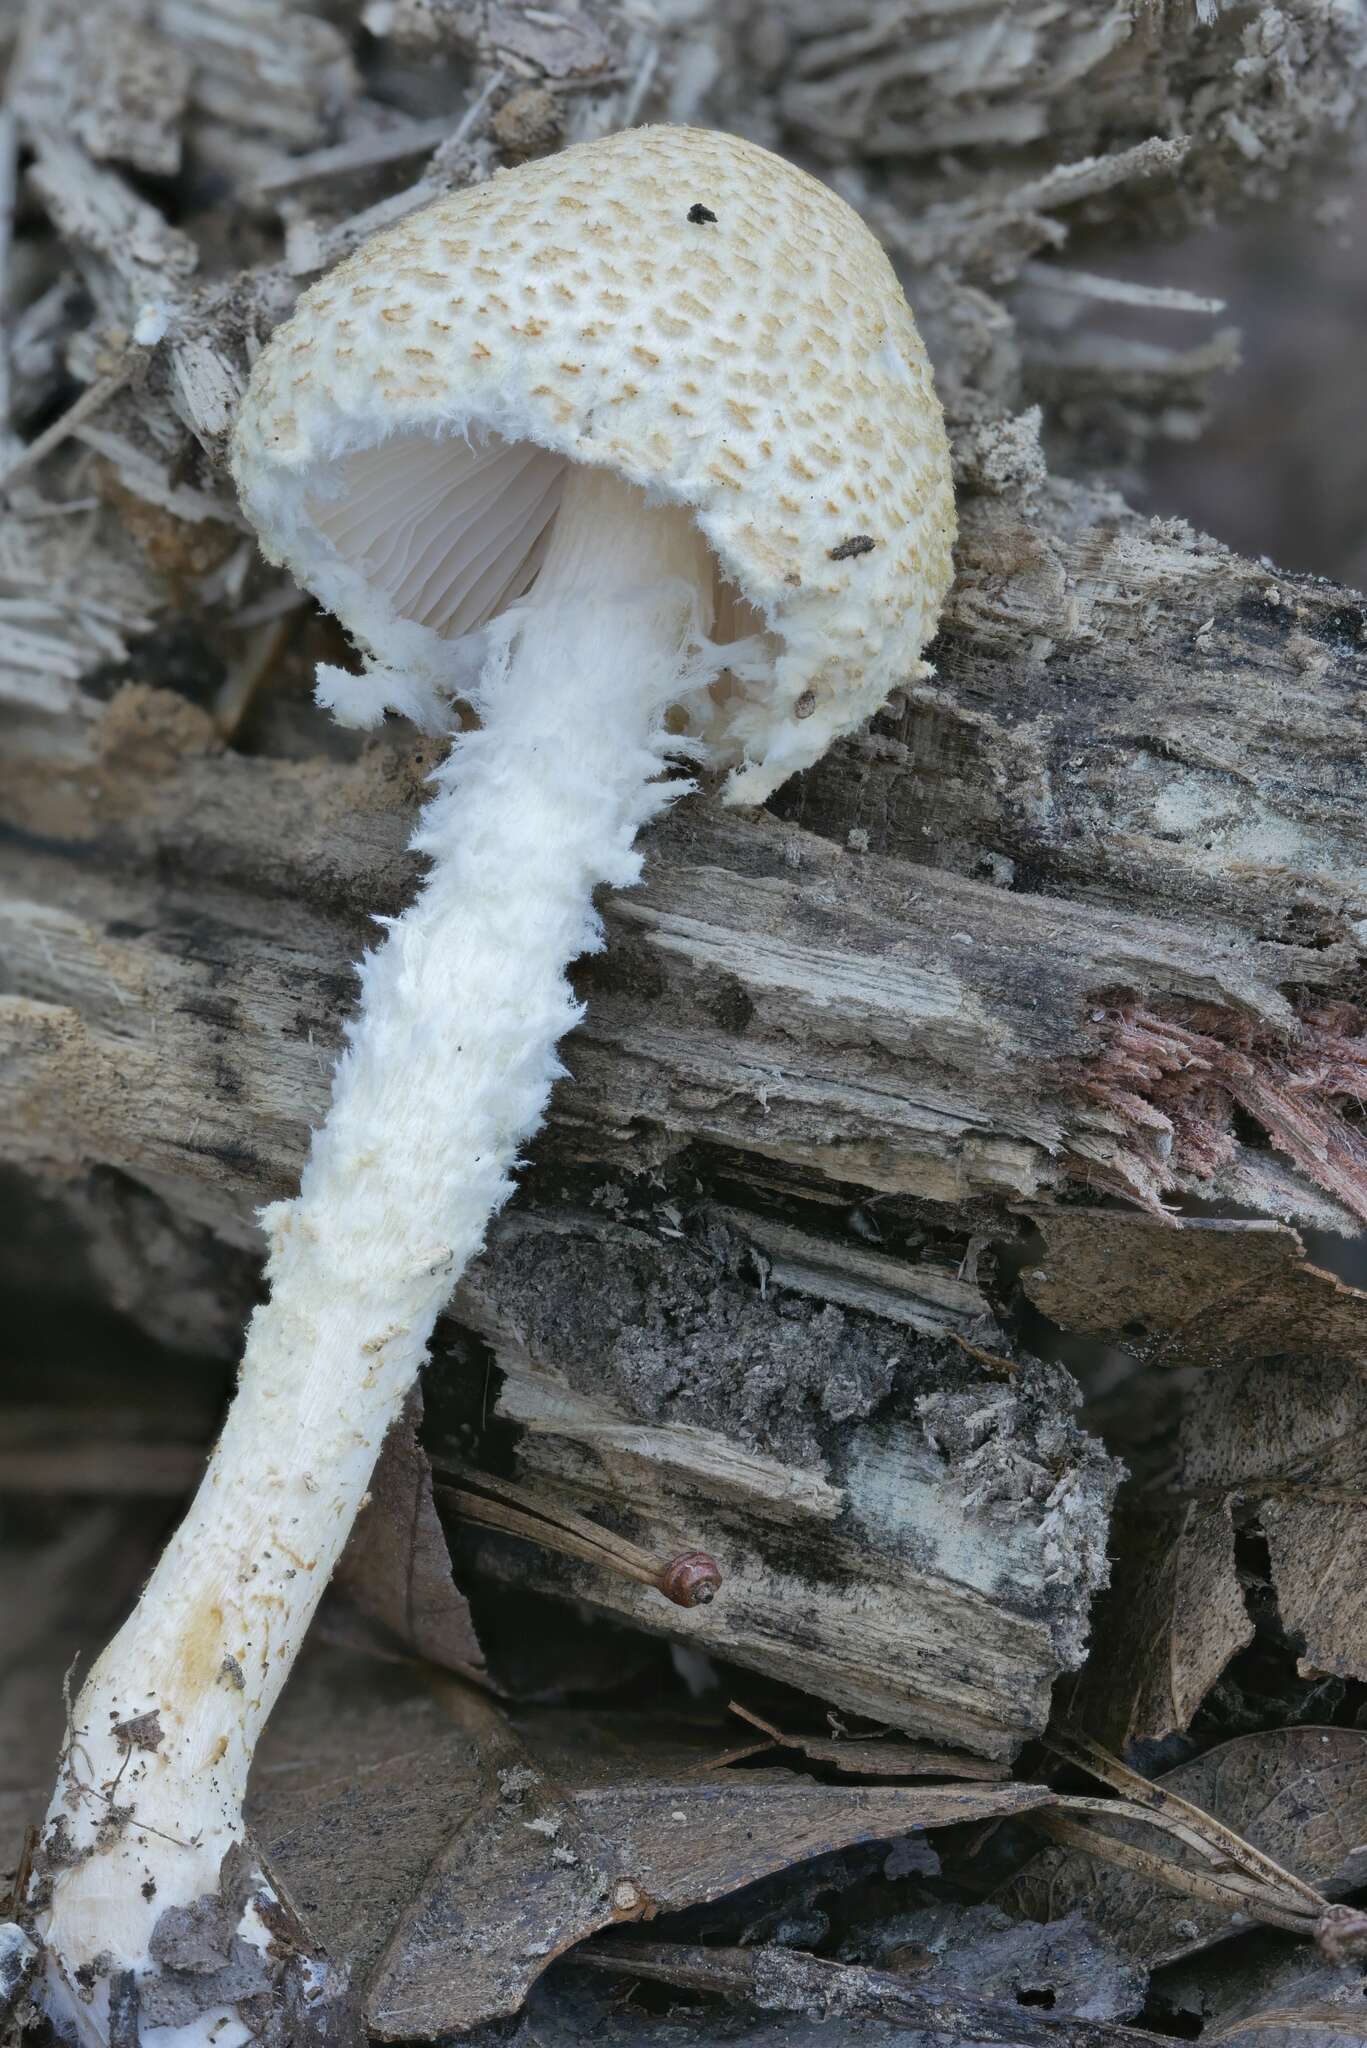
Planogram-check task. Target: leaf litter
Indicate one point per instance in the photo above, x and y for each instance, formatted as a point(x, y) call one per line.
point(448, 1847)
point(449, 1852)
point(1269, 1827)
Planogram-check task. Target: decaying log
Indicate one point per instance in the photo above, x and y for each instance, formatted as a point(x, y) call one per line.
point(898, 1530)
point(1074, 933)
point(180, 1043)
point(844, 1016)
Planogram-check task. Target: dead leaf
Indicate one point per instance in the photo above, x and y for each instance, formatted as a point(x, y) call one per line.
point(1268, 1995)
point(873, 1757)
point(1297, 1794)
point(1290, 2026)
point(588, 2008)
point(393, 1592)
point(788, 1980)
point(1061, 1967)
point(448, 1853)
point(1297, 1442)
point(1172, 1618)
point(1192, 1291)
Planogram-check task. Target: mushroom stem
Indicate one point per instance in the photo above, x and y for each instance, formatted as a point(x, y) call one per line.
point(447, 1071)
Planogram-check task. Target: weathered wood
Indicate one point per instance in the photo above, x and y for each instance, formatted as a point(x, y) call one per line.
point(187, 1042)
point(967, 968)
point(900, 1529)
point(262, 70)
point(939, 96)
point(832, 1014)
point(1125, 709)
point(120, 94)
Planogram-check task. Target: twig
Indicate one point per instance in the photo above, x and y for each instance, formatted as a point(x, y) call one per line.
point(1322, 2018)
point(1181, 1817)
point(91, 399)
point(265, 645)
point(630, 110)
point(368, 152)
point(870, 1756)
point(1004, 1368)
point(1234, 1893)
point(9, 156)
point(1117, 291)
point(310, 248)
point(690, 1580)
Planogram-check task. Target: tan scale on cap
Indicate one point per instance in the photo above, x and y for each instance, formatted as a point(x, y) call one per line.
point(681, 307)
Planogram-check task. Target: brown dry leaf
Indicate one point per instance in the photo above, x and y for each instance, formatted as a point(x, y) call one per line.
point(393, 1592)
point(1314, 2026)
point(448, 1855)
point(1268, 1994)
point(1298, 1794)
point(1192, 1292)
point(1172, 1618)
point(946, 2005)
point(947, 1949)
point(873, 1757)
point(1297, 1440)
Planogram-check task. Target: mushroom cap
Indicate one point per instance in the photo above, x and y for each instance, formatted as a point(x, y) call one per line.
point(677, 305)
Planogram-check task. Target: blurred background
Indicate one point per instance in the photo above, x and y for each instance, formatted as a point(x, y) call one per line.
point(1279, 467)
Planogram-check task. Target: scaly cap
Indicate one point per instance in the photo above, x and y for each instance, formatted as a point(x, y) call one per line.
point(679, 306)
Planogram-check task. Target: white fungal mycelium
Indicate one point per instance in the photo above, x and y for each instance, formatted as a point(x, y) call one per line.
point(634, 451)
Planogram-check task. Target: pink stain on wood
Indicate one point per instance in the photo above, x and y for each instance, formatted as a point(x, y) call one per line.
point(1168, 1080)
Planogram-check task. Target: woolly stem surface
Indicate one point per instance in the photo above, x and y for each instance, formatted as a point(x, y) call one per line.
point(447, 1070)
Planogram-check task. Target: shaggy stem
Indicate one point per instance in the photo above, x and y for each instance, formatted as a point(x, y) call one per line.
point(449, 1064)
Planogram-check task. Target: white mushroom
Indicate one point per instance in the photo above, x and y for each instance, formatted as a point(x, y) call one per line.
point(636, 442)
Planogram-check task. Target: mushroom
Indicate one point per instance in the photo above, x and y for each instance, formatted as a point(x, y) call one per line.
point(635, 452)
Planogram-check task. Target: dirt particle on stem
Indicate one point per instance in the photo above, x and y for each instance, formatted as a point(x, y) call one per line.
point(59, 1851)
point(142, 1731)
point(124, 2010)
point(112, 1824)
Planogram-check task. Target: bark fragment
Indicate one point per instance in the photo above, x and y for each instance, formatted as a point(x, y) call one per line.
point(863, 1487)
point(1170, 1621)
point(1194, 1291)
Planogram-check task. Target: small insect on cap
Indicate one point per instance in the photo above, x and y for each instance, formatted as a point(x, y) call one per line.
point(680, 307)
